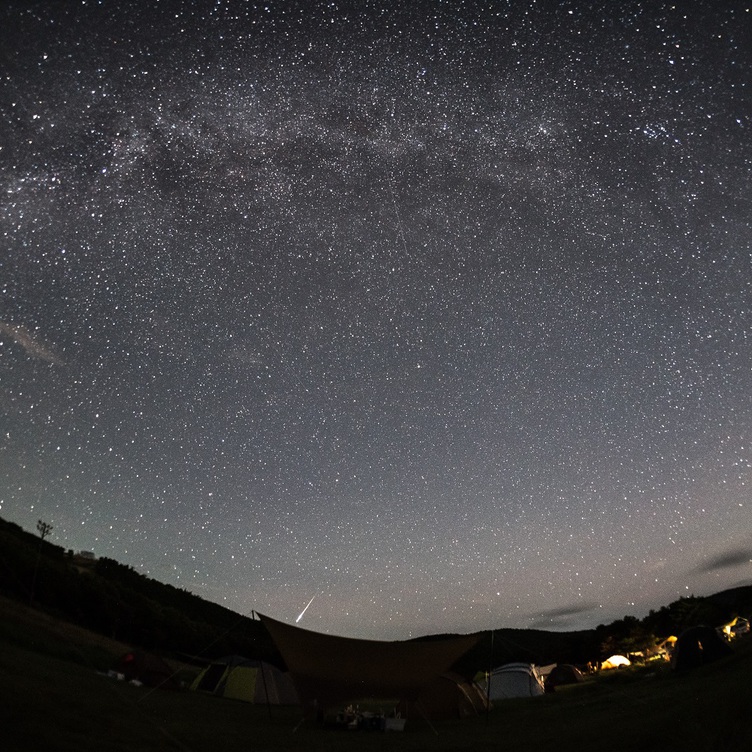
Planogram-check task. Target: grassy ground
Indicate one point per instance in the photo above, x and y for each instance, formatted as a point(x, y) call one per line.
point(53, 698)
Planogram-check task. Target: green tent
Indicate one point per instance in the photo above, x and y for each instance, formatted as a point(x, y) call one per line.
point(239, 678)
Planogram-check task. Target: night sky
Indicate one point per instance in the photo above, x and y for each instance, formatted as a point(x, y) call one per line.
point(440, 312)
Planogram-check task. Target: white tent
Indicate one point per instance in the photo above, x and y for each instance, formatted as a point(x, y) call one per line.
point(615, 661)
point(515, 680)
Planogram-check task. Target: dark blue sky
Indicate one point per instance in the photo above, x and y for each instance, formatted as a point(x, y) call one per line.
point(441, 314)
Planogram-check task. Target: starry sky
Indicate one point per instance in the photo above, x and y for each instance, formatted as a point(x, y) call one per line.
point(437, 312)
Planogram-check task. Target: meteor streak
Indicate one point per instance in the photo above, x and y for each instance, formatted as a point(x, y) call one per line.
point(304, 610)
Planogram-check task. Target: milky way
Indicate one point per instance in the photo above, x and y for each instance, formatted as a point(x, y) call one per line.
point(439, 314)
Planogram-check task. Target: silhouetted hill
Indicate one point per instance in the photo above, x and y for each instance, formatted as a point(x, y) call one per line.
point(738, 599)
point(527, 646)
point(116, 601)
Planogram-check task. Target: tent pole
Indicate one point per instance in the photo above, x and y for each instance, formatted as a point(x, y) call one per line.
point(263, 677)
point(266, 689)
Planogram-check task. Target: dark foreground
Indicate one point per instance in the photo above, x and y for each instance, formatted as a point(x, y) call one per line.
point(53, 698)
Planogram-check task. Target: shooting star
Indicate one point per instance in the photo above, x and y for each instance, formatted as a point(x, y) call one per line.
point(304, 610)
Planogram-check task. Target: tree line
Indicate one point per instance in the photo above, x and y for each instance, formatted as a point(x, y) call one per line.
point(115, 600)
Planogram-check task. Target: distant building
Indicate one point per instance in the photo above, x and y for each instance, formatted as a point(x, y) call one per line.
point(84, 561)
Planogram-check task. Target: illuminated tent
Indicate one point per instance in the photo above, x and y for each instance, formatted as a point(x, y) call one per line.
point(515, 680)
point(327, 670)
point(615, 661)
point(239, 678)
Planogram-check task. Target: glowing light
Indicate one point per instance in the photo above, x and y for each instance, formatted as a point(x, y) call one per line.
point(304, 610)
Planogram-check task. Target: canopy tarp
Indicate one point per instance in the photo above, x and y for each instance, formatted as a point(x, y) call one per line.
point(327, 669)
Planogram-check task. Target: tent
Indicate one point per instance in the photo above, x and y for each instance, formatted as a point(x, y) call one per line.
point(697, 646)
point(561, 674)
point(544, 671)
point(327, 669)
point(515, 680)
point(240, 678)
point(447, 696)
point(615, 661)
point(147, 669)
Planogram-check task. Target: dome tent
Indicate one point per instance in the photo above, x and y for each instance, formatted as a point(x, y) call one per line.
point(697, 646)
point(145, 668)
point(239, 678)
point(615, 661)
point(447, 696)
point(562, 674)
point(515, 680)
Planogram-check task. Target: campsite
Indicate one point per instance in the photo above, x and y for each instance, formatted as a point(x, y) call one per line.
point(55, 694)
point(375, 376)
point(107, 659)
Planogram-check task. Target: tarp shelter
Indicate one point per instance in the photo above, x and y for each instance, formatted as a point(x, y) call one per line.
point(147, 669)
point(737, 626)
point(697, 646)
point(515, 680)
point(447, 696)
point(327, 669)
point(663, 649)
point(615, 661)
point(239, 678)
point(562, 674)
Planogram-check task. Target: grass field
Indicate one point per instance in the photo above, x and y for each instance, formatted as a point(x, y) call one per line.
point(52, 697)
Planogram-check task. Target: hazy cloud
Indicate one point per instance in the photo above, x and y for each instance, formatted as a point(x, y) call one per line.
point(561, 617)
point(732, 558)
point(33, 346)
